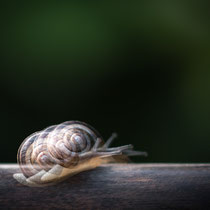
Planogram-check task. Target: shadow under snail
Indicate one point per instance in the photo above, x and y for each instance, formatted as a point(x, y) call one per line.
point(59, 151)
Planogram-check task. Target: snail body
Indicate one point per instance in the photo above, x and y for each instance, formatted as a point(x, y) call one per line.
point(59, 151)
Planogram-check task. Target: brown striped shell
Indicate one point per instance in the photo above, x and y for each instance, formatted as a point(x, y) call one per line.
point(62, 144)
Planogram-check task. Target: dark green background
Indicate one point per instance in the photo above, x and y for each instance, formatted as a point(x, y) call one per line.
point(140, 68)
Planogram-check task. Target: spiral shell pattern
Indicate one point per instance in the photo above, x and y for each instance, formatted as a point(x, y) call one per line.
point(62, 144)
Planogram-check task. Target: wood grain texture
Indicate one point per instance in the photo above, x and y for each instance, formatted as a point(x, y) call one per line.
point(114, 186)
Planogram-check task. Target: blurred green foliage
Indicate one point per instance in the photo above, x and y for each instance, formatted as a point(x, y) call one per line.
point(140, 68)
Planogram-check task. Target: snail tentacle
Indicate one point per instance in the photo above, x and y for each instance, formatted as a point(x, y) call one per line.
point(110, 140)
point(97, 144)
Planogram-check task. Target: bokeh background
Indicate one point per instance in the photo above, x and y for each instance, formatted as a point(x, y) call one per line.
point(139, 68)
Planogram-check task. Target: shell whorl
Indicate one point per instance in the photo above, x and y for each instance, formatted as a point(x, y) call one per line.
point(61, 144)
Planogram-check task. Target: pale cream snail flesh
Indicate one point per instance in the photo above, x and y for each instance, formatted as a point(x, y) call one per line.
point(59, 151)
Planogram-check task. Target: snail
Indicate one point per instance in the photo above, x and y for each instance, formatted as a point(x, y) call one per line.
point(49, 156)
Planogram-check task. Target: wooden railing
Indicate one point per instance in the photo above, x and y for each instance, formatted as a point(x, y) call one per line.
point(114, 186)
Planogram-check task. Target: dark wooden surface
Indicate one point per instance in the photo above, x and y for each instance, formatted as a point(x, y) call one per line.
point(114, 186)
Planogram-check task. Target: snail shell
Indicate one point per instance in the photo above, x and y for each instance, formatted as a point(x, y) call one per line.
point(59, 151)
